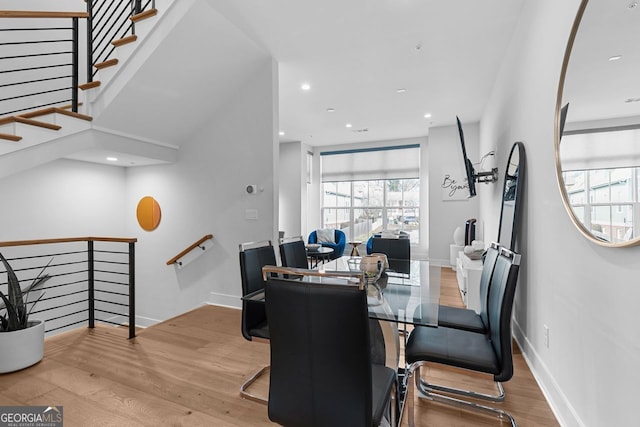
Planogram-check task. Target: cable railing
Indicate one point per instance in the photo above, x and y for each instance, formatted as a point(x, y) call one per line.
point(92, 280)
point(39, 58)
point(109, 21)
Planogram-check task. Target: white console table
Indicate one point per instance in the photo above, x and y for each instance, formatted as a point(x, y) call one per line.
point(468, 272)
point(453, 255)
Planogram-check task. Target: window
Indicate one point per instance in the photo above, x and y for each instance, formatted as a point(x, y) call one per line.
point(362, 208)
point(605, 201)
point(367, 190)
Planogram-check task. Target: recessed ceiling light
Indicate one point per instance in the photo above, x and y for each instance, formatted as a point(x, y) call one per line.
point(401, 90)
point(615, 57)
point(348, 125)
point(427, 116)
point(112, 159)
point(305, 86)
point(331, 110)
point(281, 133)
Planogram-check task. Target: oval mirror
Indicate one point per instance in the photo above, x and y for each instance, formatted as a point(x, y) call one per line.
point(511, 197)
point(597, 141)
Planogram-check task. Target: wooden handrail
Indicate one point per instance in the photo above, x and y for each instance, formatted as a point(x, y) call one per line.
point(41, 14)
point(68, 240)
point(189, 249)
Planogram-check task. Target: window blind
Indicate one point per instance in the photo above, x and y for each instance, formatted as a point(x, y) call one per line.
point(396, 162)
point(600, 150)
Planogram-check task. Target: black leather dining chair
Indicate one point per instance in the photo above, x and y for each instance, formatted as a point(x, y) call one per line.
point(321, 370)
point(254, 256)
point(293, 252)
point(462, 318)
point(393, 248)
point(486, 353)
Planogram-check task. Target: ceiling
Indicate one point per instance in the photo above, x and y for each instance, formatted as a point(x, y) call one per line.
point(356, 55)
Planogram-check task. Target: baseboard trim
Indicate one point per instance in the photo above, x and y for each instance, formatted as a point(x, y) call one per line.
point(560, 406)
point(224, 300)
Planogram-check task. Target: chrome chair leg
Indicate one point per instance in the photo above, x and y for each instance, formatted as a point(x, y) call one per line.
point(491, 397)
point(425, 391)
point(243, 388)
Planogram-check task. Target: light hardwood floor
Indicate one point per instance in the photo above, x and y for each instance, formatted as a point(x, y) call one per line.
point(187, 372)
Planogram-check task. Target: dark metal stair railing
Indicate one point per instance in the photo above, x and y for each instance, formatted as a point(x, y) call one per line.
point(92, 280)
point(108, 21)
point(51, 55)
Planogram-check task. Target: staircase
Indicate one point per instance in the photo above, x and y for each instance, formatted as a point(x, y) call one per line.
point(144, 95)
point(26, 72)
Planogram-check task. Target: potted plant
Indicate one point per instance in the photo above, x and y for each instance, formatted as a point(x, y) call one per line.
point(21, 340)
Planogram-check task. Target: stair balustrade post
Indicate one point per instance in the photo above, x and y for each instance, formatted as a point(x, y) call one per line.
point(132, 290)
point(91, 284)
point(90, 41)
point(74, 66)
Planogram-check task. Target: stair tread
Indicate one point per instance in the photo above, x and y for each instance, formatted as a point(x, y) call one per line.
point(128, 39)
point(108, 63)
point(144, 15)
point(73, 114)
point(37, 123)
point(89, 85)
point(10, 137)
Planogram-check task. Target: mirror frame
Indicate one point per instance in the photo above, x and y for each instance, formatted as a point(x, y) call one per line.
point(559, 102)
point(518, 195)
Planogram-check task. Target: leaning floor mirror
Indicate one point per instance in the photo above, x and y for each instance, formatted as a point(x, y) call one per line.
point(597, 141)
point(512, 197)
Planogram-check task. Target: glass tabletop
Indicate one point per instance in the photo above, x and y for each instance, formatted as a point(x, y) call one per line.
point(407, 292)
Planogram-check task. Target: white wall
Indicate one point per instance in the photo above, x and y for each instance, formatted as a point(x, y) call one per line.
point(204, 192)
point(292, 182)
point(445, 156)
point(64, 198)
point(587, 295)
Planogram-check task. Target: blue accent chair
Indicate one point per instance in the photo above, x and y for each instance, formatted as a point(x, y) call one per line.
point(337, 246)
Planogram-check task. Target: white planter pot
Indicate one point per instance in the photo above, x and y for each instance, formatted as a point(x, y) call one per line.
point(23, 348)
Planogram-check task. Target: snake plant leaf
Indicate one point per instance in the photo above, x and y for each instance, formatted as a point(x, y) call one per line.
point(16, 301)
point(15, 293)
point(12, 322)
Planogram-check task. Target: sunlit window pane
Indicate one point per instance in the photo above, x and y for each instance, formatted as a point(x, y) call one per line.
point(394, 219)
point(622, 222)
point(599, 186)
point(601, 222)
point(329, 191)
point(343, 194)
point(622, 185)
point(575, 184)
point(366, 223)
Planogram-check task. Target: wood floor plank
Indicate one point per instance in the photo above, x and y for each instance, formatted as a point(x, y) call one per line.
point(187, 371)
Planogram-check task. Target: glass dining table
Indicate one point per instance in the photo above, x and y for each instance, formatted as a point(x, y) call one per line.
point(407, 292)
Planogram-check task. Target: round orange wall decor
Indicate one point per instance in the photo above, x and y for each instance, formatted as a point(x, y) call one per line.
point(148, 213)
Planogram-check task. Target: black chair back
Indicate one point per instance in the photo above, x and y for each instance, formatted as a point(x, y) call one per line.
point(321, 372)
point(393, 248)
point(254, 256)
point(293, 253)
point(501, 295)
point(485, 281)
